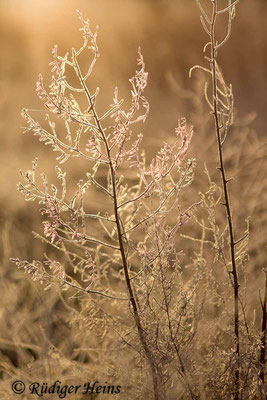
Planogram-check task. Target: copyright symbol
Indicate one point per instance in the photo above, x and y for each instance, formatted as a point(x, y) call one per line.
point(18, 387)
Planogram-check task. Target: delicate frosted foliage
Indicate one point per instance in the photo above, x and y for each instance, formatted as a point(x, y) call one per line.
point(135, 299)
point(133, 257)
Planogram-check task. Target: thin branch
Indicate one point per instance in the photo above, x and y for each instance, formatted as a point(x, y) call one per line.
point(213, 65)
point(140, 196)
point(228, 8)
point(132, 299)
point(263, 332)
point(203, 12)
point(100, 186)
point(93, 291)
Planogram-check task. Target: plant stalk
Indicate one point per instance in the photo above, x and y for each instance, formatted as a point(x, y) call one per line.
point(226, 196)
point(141, 334)
point(263, 333)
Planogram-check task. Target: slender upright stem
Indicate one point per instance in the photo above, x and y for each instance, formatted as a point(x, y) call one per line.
point(225, 194)
point(130, 289)
point(263, 333)
point(183, 372)
point(141, 333)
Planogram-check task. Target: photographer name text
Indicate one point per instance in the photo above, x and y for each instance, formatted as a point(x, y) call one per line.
point(63, 390)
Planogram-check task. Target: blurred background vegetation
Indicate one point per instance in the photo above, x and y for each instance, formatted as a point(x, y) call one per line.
point(171, 38)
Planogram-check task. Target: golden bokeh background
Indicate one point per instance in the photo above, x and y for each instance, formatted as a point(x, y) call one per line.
point(171, 39)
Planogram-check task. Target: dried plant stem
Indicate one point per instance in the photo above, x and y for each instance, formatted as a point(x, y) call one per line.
point(183, 371)
point(120, 231)
point(263, 332)
point(225, 181)
point(127, 277)
point(129, 284)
